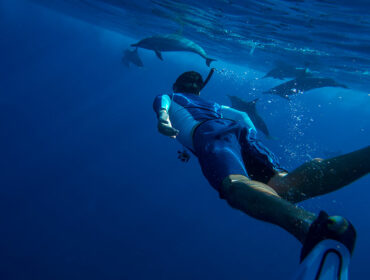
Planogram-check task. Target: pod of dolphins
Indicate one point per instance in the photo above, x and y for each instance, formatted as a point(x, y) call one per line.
point(303, 80)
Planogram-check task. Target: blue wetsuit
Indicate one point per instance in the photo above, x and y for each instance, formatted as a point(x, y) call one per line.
point(223, 139)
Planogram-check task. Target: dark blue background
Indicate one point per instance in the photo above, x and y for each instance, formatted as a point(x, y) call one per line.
point(90, 190)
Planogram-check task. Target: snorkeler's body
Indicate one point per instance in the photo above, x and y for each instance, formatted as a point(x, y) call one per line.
point(245, 173)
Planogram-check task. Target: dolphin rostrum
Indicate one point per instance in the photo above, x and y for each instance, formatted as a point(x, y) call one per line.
point(249, 107)
point(170, 43)
point(131, 57)
point(302, 84)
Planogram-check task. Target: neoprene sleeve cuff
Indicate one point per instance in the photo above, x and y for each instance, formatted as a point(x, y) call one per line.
point(161, 102)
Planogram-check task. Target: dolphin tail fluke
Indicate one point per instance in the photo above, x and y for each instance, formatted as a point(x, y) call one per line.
point(209, 60)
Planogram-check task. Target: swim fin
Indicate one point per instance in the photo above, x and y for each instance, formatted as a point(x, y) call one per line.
point(327, 250)
point(329, 260)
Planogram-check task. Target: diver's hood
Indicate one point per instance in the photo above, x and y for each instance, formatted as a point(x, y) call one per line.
point(186, 84)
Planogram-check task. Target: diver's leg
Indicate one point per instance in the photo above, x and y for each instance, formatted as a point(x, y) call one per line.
point(261, 202)
point(220, 155)
point(319, 177)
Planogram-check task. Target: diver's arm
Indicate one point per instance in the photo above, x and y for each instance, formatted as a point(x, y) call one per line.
point(230, 113)
point(164, 124)
point(161, 106)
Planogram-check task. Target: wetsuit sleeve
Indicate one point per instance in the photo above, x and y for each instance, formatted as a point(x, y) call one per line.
point(232, 114)
point(161, 102)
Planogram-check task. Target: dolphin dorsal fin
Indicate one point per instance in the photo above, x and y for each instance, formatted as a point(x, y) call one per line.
point(252, 104)
point(254, 101)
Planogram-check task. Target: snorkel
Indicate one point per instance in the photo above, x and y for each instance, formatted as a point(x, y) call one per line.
point(208, 78)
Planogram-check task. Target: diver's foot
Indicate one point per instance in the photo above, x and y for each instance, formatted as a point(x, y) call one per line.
point(325, 227)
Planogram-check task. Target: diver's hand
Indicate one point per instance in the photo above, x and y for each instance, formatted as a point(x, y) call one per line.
point(165, 126)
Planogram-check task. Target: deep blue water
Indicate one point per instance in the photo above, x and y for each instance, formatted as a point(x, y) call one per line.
point(90, 190)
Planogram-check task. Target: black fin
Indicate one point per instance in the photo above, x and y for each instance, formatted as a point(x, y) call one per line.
point(319, 230)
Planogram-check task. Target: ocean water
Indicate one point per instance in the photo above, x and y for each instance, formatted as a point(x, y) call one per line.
point(90, 190)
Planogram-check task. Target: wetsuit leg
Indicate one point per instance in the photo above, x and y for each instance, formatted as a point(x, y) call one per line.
point(319, 177)
point(220, 156)
point(260, 201)
point(219, 153)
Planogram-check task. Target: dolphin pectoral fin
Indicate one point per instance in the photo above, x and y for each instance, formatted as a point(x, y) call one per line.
point(159, 55)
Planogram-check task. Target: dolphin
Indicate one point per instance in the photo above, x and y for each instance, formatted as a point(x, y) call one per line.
point(284, 70)
point(249, 107)
point(302, 84)
point(169, 43)
point(131, 57)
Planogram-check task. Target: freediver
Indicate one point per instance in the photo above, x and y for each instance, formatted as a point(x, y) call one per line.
point(247, 175)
